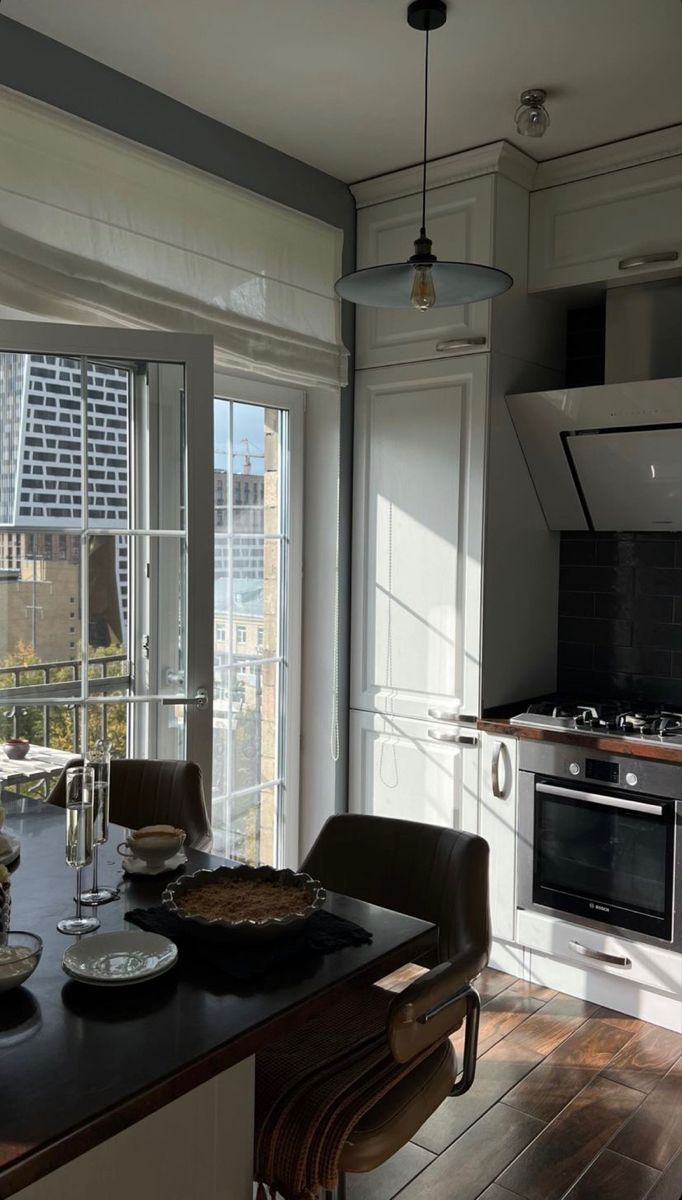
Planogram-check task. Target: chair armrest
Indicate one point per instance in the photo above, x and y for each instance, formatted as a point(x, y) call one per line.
point(432, 1006)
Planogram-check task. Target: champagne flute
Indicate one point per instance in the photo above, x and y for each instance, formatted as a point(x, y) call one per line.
point(79, 818)
point(100, 761)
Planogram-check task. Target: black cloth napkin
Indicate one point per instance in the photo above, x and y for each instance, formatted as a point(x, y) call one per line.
point(322, 933)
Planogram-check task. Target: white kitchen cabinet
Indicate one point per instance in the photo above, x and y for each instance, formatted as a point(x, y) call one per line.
point(417, 537)
point(497, 824)
point(460, 223)
point(596, 230)
point(402, 768)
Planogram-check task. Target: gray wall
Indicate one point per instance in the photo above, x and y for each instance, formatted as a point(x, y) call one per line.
point(47, 70)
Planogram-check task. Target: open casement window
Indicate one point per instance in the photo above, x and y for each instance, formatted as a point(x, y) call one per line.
point(106, 540)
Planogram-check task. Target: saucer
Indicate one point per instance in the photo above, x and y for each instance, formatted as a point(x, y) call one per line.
point(137, 866)
point(11, 852)
point(119, 959)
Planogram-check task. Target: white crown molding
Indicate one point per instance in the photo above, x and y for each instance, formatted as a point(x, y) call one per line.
point(616, 156)
point(498, 157)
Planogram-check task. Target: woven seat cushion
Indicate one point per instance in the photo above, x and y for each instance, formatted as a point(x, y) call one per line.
point(394, 1119)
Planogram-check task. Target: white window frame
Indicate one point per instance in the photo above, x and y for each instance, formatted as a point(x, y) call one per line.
point(262, 393)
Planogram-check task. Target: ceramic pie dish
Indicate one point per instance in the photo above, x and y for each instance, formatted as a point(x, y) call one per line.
point(178, 899)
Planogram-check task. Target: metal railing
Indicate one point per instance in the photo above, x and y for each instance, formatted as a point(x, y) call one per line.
point(28, 700)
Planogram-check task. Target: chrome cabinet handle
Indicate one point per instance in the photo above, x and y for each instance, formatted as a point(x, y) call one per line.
point(198, 700)
point(444, 714)
point(460, 343)
point(615, 960)
point(495, 771)
point(643, 260)
point(457, 739)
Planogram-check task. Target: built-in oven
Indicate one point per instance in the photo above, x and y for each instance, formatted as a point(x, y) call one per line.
point(599, 840)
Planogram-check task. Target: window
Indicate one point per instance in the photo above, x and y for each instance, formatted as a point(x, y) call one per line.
point(258, 528)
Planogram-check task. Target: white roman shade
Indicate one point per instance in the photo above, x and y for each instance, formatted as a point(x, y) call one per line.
point(96, 229)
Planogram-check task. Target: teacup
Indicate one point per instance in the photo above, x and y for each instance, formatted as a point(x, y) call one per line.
point(153, 844)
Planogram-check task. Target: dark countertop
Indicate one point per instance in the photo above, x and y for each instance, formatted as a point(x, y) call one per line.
point(78, 1064)
point(609, 743)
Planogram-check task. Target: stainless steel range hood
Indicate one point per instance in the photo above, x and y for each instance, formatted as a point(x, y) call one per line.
point(610, 457)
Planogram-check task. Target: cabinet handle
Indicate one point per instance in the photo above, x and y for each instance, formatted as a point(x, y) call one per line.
point(616, 960)
point(460, 343)
point(643, 260)
point(495, 771)
point(443, 735)
point(444, 714)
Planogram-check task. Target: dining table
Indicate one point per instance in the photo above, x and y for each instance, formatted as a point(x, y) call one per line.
point(147, 1090)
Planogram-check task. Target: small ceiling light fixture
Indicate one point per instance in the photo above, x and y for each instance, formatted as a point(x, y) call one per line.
point(422, 281)
point(532, 118)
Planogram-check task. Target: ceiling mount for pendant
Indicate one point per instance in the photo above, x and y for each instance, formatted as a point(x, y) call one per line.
point(422, 281)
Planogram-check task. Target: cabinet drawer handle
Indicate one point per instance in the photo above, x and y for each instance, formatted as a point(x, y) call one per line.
point(444, 735)
point(444, 714)
point(615, 960)
point(495, 771)
point(460, 343)
point(643, 260)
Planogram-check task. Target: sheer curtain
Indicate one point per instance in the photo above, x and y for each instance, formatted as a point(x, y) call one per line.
point(96, 229)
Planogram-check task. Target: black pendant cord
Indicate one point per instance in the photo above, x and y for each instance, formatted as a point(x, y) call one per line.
point(426, 130)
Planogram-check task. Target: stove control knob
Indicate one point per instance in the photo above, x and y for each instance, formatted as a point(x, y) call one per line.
point(631, 779)
point(574, 768)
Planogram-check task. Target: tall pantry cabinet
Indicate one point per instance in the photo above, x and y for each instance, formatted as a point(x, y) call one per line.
point(455, 574)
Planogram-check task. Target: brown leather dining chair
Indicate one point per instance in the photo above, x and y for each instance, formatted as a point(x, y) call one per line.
point(151, 792)
point(438, 875)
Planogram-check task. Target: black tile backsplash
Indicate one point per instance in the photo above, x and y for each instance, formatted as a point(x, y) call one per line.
point(620, 616)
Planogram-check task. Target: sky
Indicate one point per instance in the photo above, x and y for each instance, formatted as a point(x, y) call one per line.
point(248, 422)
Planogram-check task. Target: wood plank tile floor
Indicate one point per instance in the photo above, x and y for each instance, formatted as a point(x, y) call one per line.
point(571, 1102)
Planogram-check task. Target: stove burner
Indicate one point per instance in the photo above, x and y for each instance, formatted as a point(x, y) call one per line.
point(624, 720)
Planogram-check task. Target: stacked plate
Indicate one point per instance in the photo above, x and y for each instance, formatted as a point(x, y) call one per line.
point(119, 959)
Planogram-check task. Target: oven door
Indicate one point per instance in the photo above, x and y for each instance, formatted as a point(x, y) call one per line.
point(605, 856)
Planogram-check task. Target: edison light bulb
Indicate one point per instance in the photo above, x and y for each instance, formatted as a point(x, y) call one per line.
point(423, 294)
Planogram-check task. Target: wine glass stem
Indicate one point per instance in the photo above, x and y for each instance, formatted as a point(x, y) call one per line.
point(95, 878)
point(79, 881)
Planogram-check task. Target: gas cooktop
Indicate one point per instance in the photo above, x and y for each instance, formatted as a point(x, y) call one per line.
point(651, 723)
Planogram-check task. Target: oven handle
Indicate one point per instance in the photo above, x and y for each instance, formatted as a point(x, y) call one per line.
point(655, 810)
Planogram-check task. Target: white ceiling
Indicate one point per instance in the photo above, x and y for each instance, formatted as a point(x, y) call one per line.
point(338, 83)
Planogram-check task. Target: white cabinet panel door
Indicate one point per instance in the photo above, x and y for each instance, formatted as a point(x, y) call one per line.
point(398, 769)
point(497, 824)
point(418, 516)
point(597, 229)
point(459, 222)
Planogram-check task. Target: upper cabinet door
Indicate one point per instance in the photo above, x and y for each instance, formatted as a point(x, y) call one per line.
point(417, 536)
point(617, 226)
point(459, 222)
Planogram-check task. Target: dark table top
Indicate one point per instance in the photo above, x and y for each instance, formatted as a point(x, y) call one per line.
point(79, 1063)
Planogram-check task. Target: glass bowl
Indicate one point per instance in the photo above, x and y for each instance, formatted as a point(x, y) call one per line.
point(19, 956)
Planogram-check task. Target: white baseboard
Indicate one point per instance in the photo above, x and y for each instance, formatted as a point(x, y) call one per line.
point(625, 996)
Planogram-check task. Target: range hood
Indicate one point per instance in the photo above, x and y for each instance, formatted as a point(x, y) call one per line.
point(610, 457)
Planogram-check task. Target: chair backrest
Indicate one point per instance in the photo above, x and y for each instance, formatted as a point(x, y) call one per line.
point(151, 792)
point(436, 874)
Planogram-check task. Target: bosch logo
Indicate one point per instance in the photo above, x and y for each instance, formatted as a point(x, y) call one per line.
point(600, 907)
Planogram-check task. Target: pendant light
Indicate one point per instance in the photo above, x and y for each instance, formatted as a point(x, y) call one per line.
point(422, 281)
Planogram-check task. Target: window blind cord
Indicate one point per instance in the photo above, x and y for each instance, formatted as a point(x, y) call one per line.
point(335, 741)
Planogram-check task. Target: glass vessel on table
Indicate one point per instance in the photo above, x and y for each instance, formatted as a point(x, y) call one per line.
point(80, 783)
point(100, 761)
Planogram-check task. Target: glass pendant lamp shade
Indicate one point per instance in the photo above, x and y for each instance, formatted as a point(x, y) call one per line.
point(393, 285)
point(422, 281)
point(531, 117)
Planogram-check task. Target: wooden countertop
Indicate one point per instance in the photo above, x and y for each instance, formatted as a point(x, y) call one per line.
point(78, 1064)
point(608, 743)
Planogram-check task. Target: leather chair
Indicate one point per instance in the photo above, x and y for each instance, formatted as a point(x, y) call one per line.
point(437, 875)
point(152, 792)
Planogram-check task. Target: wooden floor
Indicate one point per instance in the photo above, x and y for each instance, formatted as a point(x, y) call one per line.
point(571, 1102)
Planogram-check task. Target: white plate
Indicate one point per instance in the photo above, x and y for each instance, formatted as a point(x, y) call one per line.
point(119, 959)
point(137, 866)
point(11, 852)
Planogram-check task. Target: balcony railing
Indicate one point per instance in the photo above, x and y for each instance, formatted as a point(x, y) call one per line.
point(25, 702)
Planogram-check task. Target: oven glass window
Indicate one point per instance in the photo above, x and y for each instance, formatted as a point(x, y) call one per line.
point(614, 855)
